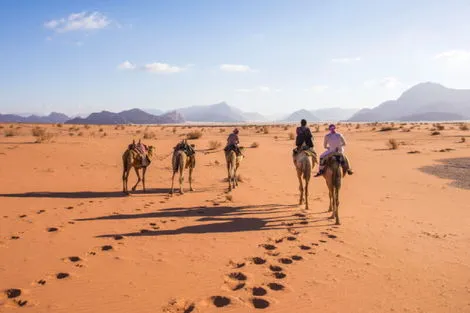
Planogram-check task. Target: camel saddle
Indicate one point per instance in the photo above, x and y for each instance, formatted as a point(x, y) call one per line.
point(141, 151)
point(307, 150)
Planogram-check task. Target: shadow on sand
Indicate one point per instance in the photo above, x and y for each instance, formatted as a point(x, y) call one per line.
point(226, 219)
point(455, 169)
point(88, 194)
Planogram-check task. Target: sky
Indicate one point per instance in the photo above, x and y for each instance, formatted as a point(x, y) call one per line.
point(268, 56)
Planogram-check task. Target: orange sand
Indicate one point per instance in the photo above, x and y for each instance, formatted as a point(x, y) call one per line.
point(403, 246)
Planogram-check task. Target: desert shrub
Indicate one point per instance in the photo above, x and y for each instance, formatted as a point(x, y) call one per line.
point(80, 134)
point(286, 127)
point(392, 144)
point(265, 130)
point(463, 127)
point(462, 140)
point(105, 134)
point(358, 126)
point(291, 136)
point(149, 135)
point(102, 130)
point(214, 144)
point(41, 134)
point(276, 137)
point(71, 134)
point(435, 133)
point(59, 125)
point(10, 133)
point(387, 129)
point(87, 126)
point(196, 134)
point(440, 127)
point(173, 130)
point(254, 145)
point(222, 130)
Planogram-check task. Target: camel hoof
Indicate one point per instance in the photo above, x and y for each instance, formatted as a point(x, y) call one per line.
point(337, 223)
point(191, 189)
point(133, 189)
point(331, 217)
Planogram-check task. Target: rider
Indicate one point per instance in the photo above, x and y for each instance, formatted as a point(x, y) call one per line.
point(233, 141)
point(304, 135)
point(334, 142)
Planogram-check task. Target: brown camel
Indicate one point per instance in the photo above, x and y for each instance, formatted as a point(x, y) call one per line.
point(333, 174)
point(304, 162)
point(180, 162)
point(233, 163)
point(132, 159)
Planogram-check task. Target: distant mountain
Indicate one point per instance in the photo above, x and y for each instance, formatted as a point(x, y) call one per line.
point(424, 98)
point(301, 114)
point(134, 116)
point(153, 111)
point(433, 116)
point(254, 117)
point(334, 114)
point(219, 112)
point(35, 119)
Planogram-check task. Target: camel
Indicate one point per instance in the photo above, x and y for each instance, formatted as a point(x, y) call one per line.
point(333, 174)
point(132, 159)
point(233, 163)
point(180, 162)
point(304, 162)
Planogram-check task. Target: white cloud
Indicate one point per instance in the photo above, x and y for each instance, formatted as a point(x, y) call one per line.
point(235, 68)
point(346, 60)
point(317, 88)
point(161, 68)
point(388, 82)
point(454, 56)
point(264, 89)
point(257, 89)
point(126, 65)
point(155, 67)
point(78, 21)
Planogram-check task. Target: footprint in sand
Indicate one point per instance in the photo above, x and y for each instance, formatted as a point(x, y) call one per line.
point(74, 259)
point(297, 258)
point(237, 276)
point(14, 237)
point(179, 306)
point(291, 238)
point(220, 301)
point(304, 247)
point(62, 275)
point(69, 208)
point(299, 215)
point(13, 293)
point(258, 261)
point(41, 282)
point(118, 237)
point(106, 248)
point(259, 303)
point(40, 211)
point(280, 275)
point(303, 223)
point(269, 246)
point(237, 264)
point(279, 240)
point(52, 229)
point(292, 231)
point(323, 241)
point(275, 268)
point(285, 261)
point(259, 291)
point(21, 302)
point(276, 286)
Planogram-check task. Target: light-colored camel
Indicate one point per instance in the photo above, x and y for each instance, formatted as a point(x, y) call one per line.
point(132, 159)
point(233, 163)
point(180, 162)
point(304, 162)
point(333, 174)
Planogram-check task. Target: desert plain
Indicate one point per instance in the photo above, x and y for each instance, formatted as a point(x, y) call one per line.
point(71, 241)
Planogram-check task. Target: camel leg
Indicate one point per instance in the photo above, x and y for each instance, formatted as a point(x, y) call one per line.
point(229, 177)
point(190, 177)
point(330, 195)
point(306, 193)
point(172, 182)
point(235, 177)
point(144, 170)
point(337, 206)
point(181, 179)
point(138, 179)
point(301, 188)
point(125, 176)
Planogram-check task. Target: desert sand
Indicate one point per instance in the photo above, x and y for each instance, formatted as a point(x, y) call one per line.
point(70, 241)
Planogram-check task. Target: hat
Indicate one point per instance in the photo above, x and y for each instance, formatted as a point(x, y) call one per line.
point(235, 130)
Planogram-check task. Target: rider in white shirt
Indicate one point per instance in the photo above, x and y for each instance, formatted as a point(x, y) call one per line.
point(334, 142)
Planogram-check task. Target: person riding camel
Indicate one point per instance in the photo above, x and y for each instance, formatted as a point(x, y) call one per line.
point(232, 142)
point(334, 143)
point(304, 135)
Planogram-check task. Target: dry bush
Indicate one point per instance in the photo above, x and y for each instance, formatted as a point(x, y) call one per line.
point(414, 152)
point(71, 134)
point(196, 134)
point(276, 137)
point(435, 133)
point(462, 140)
point(387, 128)
point(41, 134)
point(80, 134)
point(291, 136)
point(286, 127)
point(265, 130)
point(174, 130)
point(105, 134)
point(440, 127)
point(149, 135)
point(254, 145)
point(214, 144)
point(392, 144)
point(463, 127)
point(222, 130)
point(102, 130)
point(87, 126)
point(10, 133)
point(59, 125)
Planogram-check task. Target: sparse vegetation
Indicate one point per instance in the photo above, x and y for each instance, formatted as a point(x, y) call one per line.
point(440, 127)
point(414, 152)
point(87, 126)
point(41, 134)
point(435, 133)
point(222, 130)
point(286, 127)
point(173, 130)
point(291, 136)
point(102, 130)
point(214, 144)
point(10, 133)
point(254, 145)
point(462, 140)
point(387, 128)
point(392, 144)
point(149, 135)
point(463, 127)
point(265, 130)
point(80, 134)
point(59, 125)
point(194, 135)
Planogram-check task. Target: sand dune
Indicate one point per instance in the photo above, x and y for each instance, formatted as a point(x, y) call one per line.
point(70, 241)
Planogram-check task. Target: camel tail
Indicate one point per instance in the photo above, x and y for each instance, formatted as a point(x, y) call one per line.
point(178, 163)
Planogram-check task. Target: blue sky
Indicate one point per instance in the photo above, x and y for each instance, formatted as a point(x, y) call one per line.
point(267, 55)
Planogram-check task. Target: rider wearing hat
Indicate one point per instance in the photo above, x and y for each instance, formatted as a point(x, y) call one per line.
point(233, 141)
point(334, 143)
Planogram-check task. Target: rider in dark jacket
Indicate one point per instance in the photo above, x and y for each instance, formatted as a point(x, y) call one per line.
point(304, 135)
